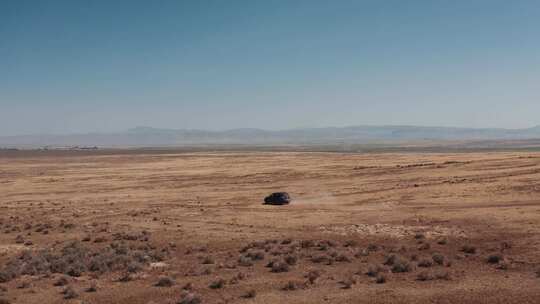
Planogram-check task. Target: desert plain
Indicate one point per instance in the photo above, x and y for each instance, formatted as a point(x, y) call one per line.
point(190, 227)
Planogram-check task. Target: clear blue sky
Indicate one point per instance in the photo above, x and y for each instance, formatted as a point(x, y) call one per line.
point(99, 66)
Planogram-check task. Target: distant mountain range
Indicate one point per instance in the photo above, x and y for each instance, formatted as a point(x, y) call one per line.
point(154, 137)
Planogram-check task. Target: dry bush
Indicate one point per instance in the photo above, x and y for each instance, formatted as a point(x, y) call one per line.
point(343, 257)
point(237, 278)
point(255, 255)
point(424, 276)
point(291, 259)
point(348, 283)
point(428, 276)
point(438, 258)
point(165, 282)
point(419, 236)
point(468, 249)
point(312, 276)
point(207, 260)
point(92, 288)
point(280, 266)
point(322, 258)
point(187, 297)
point(442, 241)
point(305, 244)
point(380, 279)
point(424, 246)
point(494, 258)
point(425, 263)
point(70, 293)
point(217, 283)
point(361, 253)
point(62, 281)
point(245, 261)
point(401, 265)
point(350, 243)
point(374, 270)
point(390, 259)
point(250, 294)
point(24, 285)
point(293, 285)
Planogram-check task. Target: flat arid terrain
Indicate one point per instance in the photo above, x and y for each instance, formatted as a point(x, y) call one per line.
point(190, 227)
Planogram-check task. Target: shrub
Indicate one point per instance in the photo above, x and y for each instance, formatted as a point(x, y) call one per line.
point(381, 279)
point(207, 260)
point(342, 257)
point(350, 243)
point(217, 283)
point(424, 276)
point(245, 261)
point(62, 281)
point(187, 297)
point(255, 255)
point(425, 263)
point(92, 288)
point(280, 267)
point(468, 249)
point(291, 259)
point(419, 236)
point(438, 258)
point(494, 258)
point(250, 294)
point(293, 285)
point(424, 246)
point(373, 270)
point(321, 258)
point(390, 259)
point(70, 293)
point(312, 276)
point(442, 241)
point(348, 283)
point(401, 265)
point(165, 282)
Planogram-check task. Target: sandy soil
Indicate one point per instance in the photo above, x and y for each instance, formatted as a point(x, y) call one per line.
point(198, 218)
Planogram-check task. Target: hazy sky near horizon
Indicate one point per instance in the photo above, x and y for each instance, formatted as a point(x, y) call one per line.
point(103, 66)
